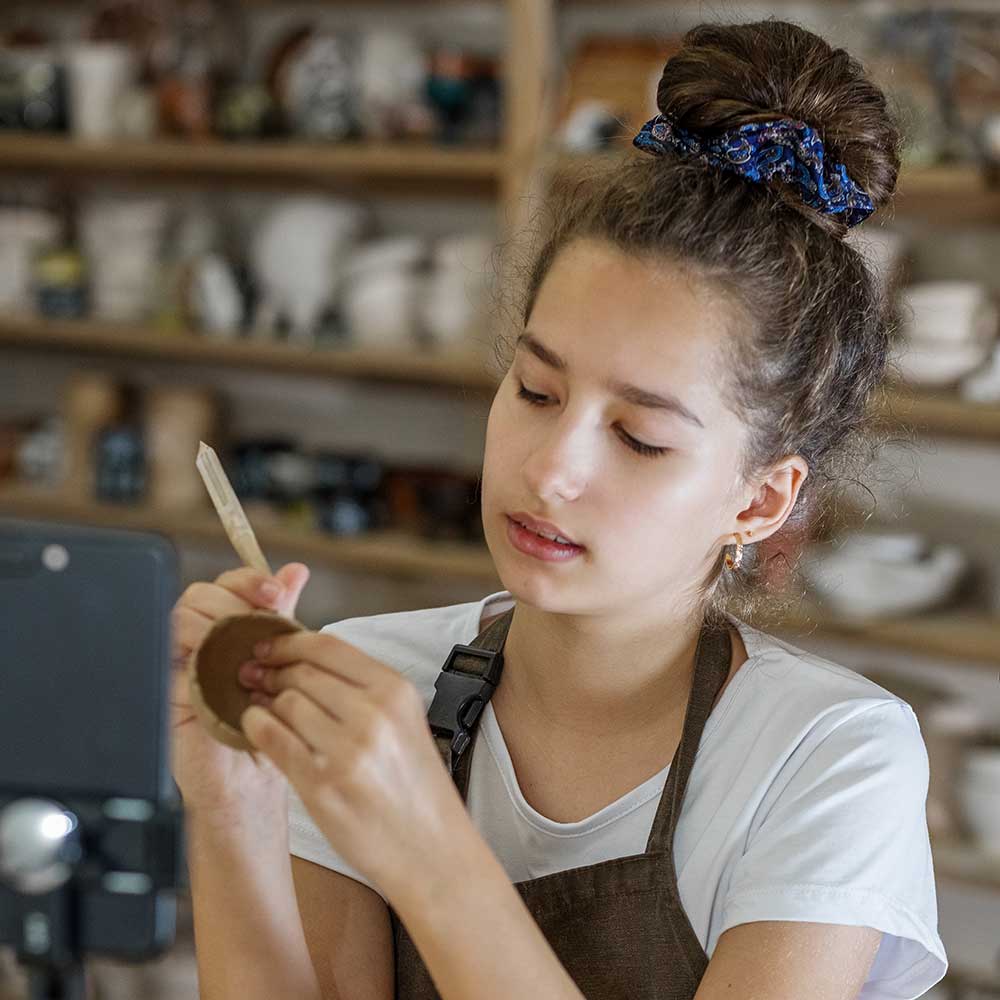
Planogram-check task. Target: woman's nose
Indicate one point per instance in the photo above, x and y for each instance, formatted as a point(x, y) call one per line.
point(559, 464)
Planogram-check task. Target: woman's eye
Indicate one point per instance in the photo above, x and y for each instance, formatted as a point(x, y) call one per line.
point(535, 399)
point(531, 397)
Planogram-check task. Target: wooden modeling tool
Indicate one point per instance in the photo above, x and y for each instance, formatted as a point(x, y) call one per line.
point(217, 696)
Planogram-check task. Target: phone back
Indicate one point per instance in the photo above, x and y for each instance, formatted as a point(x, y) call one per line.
point(84, 700)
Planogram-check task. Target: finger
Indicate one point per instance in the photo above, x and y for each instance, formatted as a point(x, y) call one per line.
point(326, 651)
point(252, 587)
point(279, 741)
point(213, 601)
point(342, 700)
point(188, 630)
point(309, 721)
point(294, 577)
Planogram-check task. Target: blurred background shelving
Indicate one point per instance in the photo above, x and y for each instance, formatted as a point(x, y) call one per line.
point(419, 405)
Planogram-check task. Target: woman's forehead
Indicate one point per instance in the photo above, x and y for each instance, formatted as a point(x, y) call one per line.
point(595, 282)
point(603, 308)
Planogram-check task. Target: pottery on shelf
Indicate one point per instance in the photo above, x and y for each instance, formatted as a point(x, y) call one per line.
point(296, 255)
point(382, 289)
point(874, 576)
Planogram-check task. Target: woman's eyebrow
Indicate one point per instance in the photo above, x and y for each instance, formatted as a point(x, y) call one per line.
point(624, 390)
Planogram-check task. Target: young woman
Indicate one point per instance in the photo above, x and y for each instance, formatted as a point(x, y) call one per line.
point(658, 801)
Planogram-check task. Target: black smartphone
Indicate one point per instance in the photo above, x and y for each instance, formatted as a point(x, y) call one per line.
point(85, 723)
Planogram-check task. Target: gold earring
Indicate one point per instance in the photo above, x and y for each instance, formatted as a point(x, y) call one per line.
point(733, 562)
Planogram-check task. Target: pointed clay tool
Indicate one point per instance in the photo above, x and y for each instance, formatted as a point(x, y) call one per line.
point(217, 696)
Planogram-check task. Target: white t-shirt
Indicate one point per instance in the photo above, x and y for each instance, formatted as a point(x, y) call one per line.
point(806, 800)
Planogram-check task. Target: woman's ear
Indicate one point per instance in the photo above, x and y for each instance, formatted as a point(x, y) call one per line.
point(773, 501)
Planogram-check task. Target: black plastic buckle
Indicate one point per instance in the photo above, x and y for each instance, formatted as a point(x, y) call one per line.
point(460, 697)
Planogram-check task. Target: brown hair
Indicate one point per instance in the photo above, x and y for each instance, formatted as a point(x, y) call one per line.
point(801, 373)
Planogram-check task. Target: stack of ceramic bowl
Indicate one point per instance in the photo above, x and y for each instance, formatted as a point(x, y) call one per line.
point(979, 794)
point(122, 241)
point(454, 301)
point(948, 330)
point(873, 575)
point(382, 290)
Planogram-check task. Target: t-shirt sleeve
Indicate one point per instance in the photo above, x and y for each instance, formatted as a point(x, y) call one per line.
point(842, 838)
point(306, 840)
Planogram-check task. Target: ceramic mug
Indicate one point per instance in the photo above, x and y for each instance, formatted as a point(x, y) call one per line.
point(99, 74)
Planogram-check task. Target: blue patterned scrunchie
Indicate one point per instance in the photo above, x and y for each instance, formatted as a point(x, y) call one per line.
point(783, 147)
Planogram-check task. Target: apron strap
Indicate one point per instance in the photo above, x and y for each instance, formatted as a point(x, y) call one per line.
point(713, 656)
point(464, 685)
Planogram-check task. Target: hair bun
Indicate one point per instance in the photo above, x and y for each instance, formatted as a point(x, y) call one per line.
point(727, 75)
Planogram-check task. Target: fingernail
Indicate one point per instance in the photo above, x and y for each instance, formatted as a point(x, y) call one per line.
point(262, 649)
point(250, 672)
point(269, 591)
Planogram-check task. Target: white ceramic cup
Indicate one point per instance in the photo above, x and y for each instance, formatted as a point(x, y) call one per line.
point(382, 310)
point(99, 75)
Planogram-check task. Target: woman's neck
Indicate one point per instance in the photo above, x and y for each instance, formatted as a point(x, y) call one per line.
point(587, 678)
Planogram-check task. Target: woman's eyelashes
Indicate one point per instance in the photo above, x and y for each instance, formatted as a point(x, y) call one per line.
point(535, 399)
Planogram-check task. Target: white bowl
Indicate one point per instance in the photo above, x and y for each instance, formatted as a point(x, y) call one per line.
point(952, 296)
point(859, 587)
point(886, 546)
point(953, 312)
point(938, 364)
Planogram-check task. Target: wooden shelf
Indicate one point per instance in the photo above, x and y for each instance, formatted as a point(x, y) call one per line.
point(940, 413)
point(958, 634)
point(460, 369)
point(239, 160)
point(924, 412)
point(952, 195)
point(956, 194)
point(955, 634)
point(394, 553)
point(962, 188)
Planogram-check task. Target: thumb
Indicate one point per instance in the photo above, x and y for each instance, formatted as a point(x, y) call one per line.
point(294, 577)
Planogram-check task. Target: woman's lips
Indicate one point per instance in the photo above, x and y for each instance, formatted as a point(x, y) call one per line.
point(539, 527)
point(531, 544)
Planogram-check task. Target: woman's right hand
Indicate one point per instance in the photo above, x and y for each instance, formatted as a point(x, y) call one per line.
point(215, 780)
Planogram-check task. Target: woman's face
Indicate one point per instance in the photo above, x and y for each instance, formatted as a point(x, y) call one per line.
point(651, 524)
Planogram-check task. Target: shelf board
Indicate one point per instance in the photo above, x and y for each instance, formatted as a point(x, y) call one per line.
point(445, 367)
point(955, 633)
point(464, 369)
point(394, 553)
point(959, 634)
point(280, 158)
point(957, 193)
point(939, 413)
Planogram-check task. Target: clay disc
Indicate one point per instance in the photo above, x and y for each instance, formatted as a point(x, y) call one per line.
point(217, 696)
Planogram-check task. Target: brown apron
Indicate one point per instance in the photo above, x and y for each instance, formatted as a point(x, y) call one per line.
point(617, 926)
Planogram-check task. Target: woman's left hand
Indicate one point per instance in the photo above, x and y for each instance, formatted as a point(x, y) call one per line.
point(351, 735)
